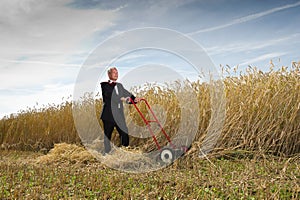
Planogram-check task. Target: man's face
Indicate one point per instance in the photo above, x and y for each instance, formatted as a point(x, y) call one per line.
point(113, 75)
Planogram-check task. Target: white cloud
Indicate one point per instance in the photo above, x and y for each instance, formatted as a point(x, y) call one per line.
point(20, 100)
point(265, 57)
point(38, 39)
point(247, 18)
point(39, 63)
point(244, 46)
point(44, 26)
point(30, 75)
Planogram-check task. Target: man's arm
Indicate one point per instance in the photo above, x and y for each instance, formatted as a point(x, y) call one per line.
point(104, 93)
point(126, 95)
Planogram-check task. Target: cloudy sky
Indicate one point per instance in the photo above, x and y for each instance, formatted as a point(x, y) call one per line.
point(44, 43)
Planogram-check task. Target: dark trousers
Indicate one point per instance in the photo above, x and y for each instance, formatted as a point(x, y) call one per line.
point(108, 129)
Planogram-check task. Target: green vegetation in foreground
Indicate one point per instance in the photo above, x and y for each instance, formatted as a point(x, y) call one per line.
point(188, 178)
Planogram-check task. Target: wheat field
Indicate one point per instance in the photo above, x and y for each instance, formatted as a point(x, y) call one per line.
point(262, 114)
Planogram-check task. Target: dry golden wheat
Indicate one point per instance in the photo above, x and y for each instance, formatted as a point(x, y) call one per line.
point(262, 114)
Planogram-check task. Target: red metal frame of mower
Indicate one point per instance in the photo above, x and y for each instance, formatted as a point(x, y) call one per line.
point(147, 122)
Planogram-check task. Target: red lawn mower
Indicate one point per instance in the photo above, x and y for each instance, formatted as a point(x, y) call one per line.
point(168, 153)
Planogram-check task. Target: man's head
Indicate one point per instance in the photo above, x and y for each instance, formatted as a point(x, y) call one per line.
point(112, 73)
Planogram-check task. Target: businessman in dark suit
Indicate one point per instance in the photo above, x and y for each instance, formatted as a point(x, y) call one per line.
point(114, 94)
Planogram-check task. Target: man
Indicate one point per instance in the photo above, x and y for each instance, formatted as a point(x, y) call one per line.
point(113, 95)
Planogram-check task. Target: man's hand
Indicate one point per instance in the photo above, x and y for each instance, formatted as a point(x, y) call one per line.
point(125, 99)
point(136, 100)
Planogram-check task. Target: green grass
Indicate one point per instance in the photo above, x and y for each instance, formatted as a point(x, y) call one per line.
point(188, 178)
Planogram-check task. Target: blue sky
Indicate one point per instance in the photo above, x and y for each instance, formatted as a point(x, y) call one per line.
point(45, 43)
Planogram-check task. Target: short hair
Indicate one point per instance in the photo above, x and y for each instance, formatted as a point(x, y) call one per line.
point(110, 69)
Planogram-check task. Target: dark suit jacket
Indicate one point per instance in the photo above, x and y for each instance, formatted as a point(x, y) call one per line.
point(112, 105)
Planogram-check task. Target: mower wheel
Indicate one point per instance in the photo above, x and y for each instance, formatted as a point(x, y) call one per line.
point(167, 155)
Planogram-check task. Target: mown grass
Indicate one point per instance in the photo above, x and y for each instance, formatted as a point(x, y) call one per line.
point(188, 178)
